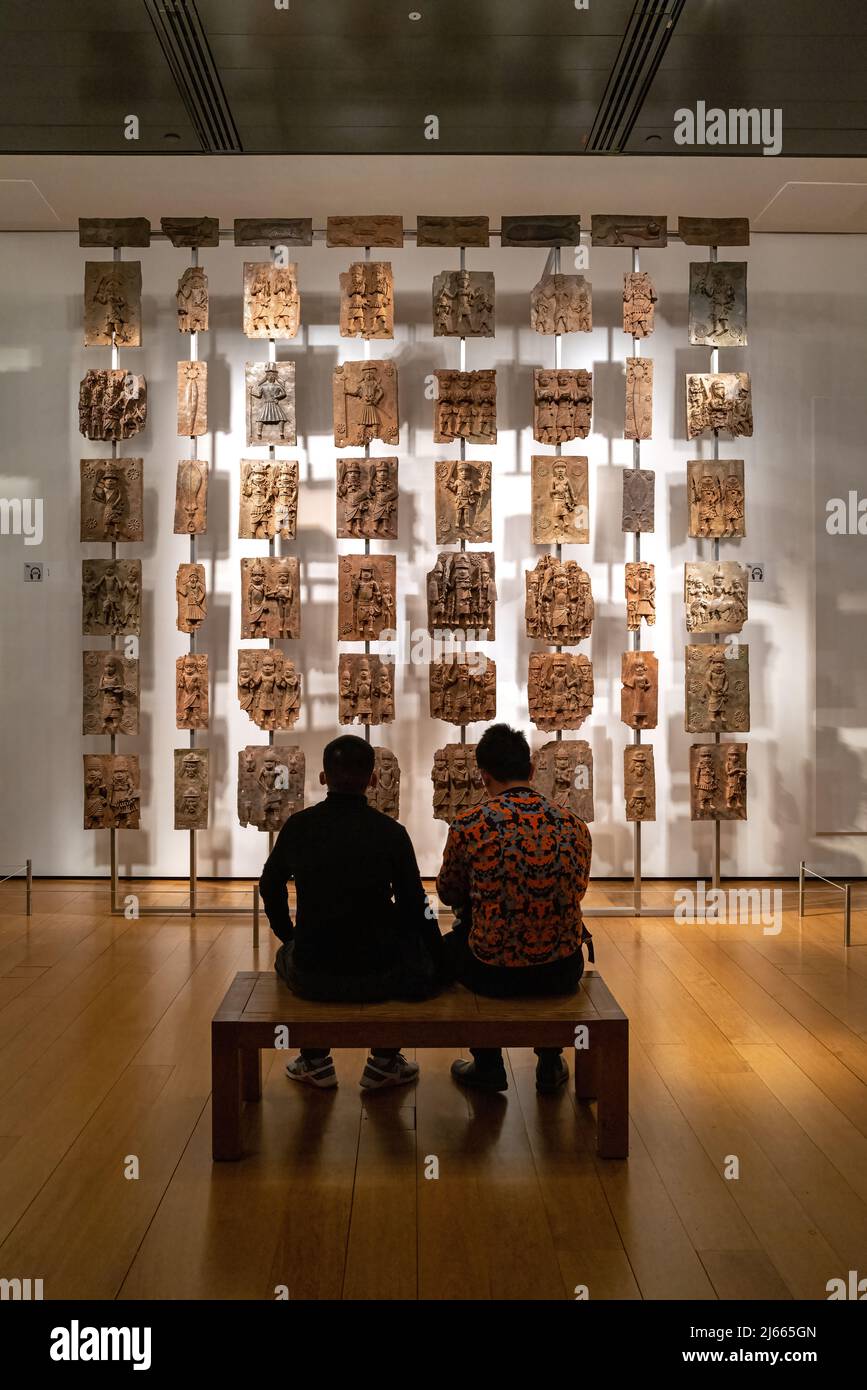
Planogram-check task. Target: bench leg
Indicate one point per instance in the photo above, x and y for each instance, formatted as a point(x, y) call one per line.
point(251, 1073)
point(612, 1110)
point(586, 1068)
point(225, 1093)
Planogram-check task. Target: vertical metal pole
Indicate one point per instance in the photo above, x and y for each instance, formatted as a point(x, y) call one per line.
point(717, 738)
point(367, 456)
point(112, 834)
point(558, 447)
point(847, 915)
point(194, 357)
point(255, 916)
point(272, 542)
point(29, 908)
point(462, 363)
point(801, 868)
point(636, 636)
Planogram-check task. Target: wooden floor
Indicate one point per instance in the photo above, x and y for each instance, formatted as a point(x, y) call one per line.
point(743, 1045)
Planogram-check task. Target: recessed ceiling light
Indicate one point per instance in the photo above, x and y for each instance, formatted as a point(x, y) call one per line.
point(414, 14)
point(652, 139)
point(171, 135)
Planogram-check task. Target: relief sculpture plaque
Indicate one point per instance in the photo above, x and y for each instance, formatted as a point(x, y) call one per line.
point(191, 688)
point(192, 300)
point(639, 297)
point(462, 594)
point(272, 303)
point(111, 693)
point(192, 779)
point(452, 231)
point(365, 404)
point(463, 501)
point(718, 401)
point(367, 498)
point(269, 688)
point(638, 423)
point(466, 407)
point(192, 231)
point(192, 597)
point(638, 500)
point(559, 690)
point(112, 404)
point(562, 405)
point(628, 229)
point(114, 231)
point(639, 693)
point(463, 689)
point(111, 499)
point(639, 782)
point(640, 594)
point(385, 795)
point(718, 303)
point(112, 303)
point(717, 689)
point(544, 229)
point(192, 399)
point(112, 791)
point(564, 774)
point(561, 504)
point(111, 597)
point(562, 304)
point(717, 505)
point(463, 304)
point(558, 603)
point(270, 398)
point(270, 597)
point(367, 300)
point(367, 598)
point(191, 498)
point(377, 230)
point(718, 781)
point(716, 596)
point(365, 689)
point(714, 231)
point(270, 785)
point(457, 783)
point(268, 499)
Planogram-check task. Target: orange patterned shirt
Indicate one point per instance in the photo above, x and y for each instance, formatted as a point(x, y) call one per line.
point(520, 864)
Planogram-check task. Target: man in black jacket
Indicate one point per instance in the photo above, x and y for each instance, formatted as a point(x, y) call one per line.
point(363, 930)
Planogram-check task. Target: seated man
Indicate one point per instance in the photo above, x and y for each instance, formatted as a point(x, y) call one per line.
point(363, 928)
point(515, 870)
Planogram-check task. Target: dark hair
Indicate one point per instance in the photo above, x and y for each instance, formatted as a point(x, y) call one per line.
point(348, 762)
point(504, 754)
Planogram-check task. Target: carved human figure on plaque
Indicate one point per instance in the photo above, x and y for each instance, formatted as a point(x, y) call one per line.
point(558, 603)
point(111, 597)
point(112, 404)
point(561, 510)
point(191, 685)
point(367, 300)
point(564, 774)
point(639, 694)
point(111, 499)
point(463, 501)
point(638, 512)
point(272, 303)
point(110, 693)
point(718, 401)
point(463, 689)
point(367, 597)
point(365, 404)
point(462, 594)
point(268, 499)
point(639, 782)
point(640, 594)
point(112, 303)
point(270, 397)
point(463, 304)
point(191, 498)
point(192, 597)
point(561, 304)
point(270, 597)
point(112, 791)
point(718, 303)
point(192, 399)
point(716, 596)
point(638, 422)
point(559, 690)
point(192, 298)
point(639, 298)
point(466, 407)
point(717, 504)
point(365, 689)
point(192, 779)
point(718, 781)
point(270, 785)
point(717, 689)
point(269, 688)
point(562, 405)
point(457, 783)
point(367, 498)
point(385, 795)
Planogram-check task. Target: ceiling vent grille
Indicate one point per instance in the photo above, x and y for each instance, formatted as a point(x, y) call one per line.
point(647, 36)
point(185, 45)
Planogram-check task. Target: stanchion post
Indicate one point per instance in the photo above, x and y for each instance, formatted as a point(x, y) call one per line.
point(801, 868)
point(29, 908)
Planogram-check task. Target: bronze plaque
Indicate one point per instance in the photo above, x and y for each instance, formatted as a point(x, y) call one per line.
point(717, 689)
point(466, 407)
point(114, 231)
point(367, 598)
point(192, 300)
point(364, 231)
point(365, 404)
point(365, 689)
point(718, 781)
point(452, 231)
point(639, 782)
point(462, 594)
point(639, 692)
point(269, 687)
point(273, 231)
point(541, 230)
point(463, 501)
point(110, 597)
point(112, 404)
point(110, 693)
point(559, 690)
point(638, 422)
point(640, 594)
point(111, 499)
point(270, 398)
point(367, 300)
point(718, 401)
point(385, 795)
point(628, 229)
point(192, 399)
point(112, 791)
point(714, 231)
point(716, 498)
point(272, 303)
point(457, 782)
point(191, 690)
point(558, 603)
point(718, 303)
point(716, 595)
point(269, 499)
point(192, 780)
point(564, 774)
point(192, 597)
point(463, 304)
point(270, 597)
point(191, 231)
point(561, 508)
point(112, 303)
point(562, 405)
point(638, 511)
point(639, 298)
point(562, 304)
point(367, 498)
point(270, 785)
point(463, 689)
point(191, 498)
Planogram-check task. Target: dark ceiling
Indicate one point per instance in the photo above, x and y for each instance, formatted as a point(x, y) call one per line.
point(361, 76)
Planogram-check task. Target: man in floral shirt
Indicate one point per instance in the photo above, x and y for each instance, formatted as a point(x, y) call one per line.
point(515, 870)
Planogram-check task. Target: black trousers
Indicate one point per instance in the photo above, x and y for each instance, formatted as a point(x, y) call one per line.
point(555, 977)
point(296, 981)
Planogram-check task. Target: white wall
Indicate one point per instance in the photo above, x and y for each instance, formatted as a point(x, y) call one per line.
point(808, 338)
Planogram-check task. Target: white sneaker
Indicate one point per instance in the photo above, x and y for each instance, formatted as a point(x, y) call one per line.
point(388, 1071)
point(321, 1074)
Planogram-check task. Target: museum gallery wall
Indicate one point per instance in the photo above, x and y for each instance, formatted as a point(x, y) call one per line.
point(315, 520)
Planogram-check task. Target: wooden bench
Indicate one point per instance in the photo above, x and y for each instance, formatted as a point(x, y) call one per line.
point(256, 1005)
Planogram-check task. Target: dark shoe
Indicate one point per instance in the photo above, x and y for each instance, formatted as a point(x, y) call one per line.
point(551, 1076)
point(468, 1074)
point(319, 1074)
point(388, 1071)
